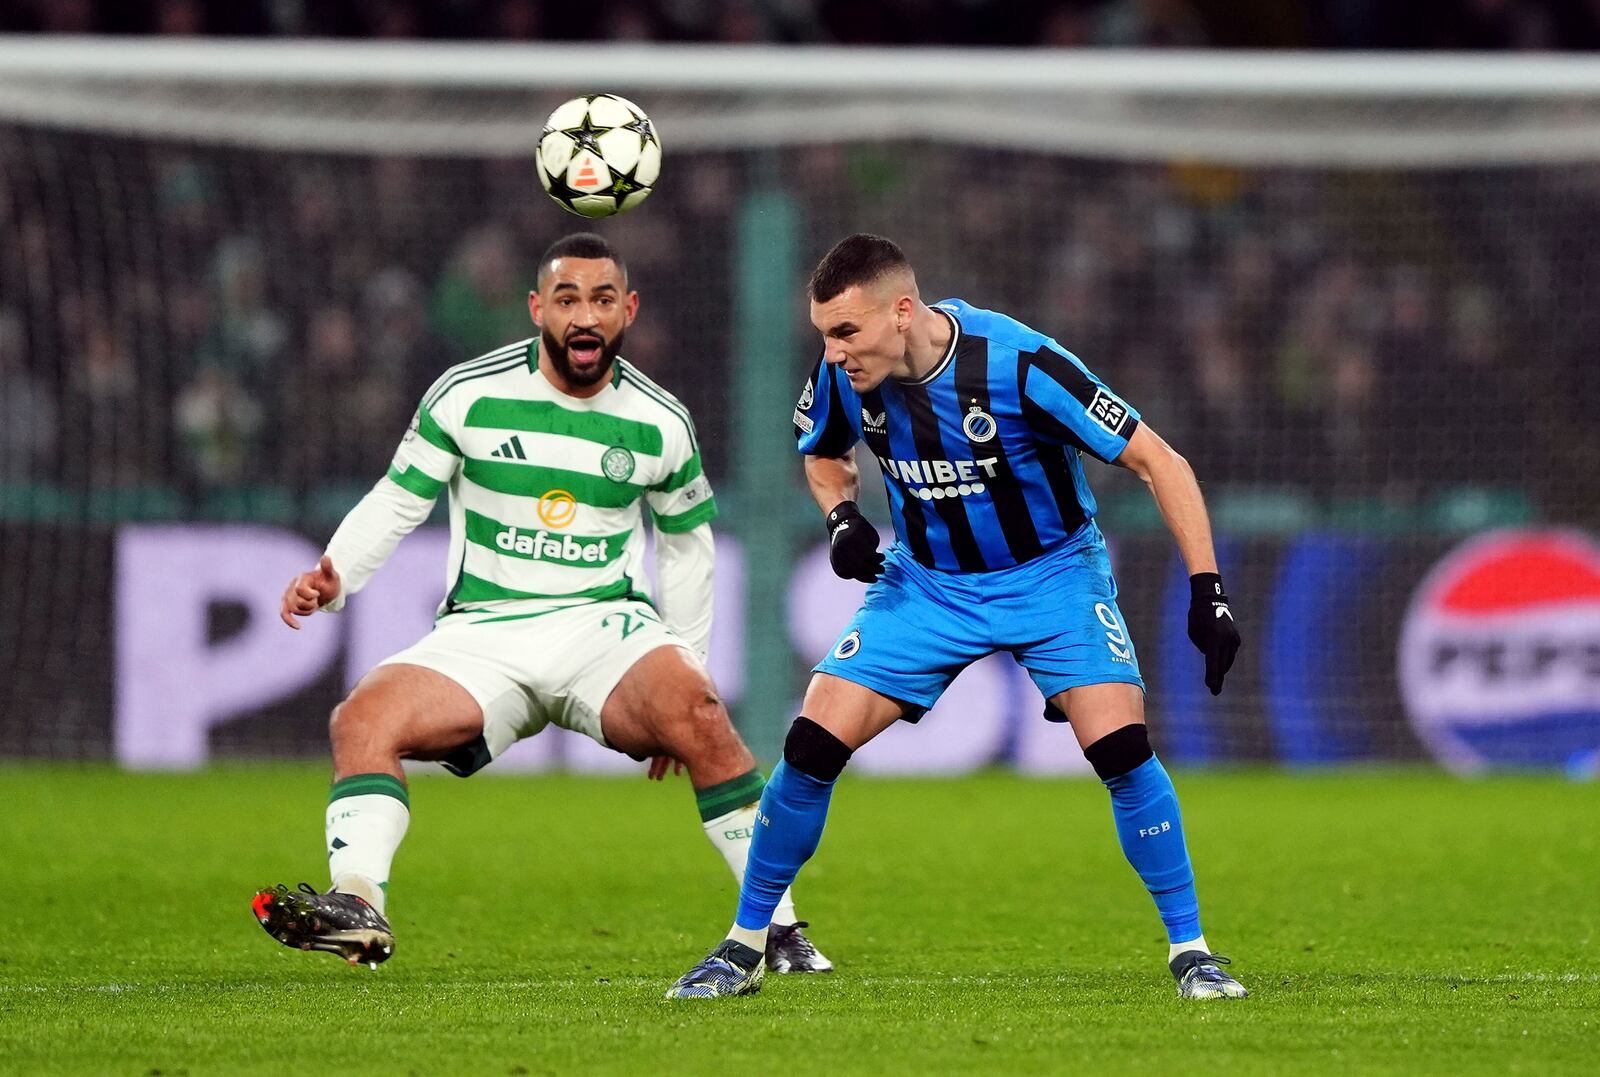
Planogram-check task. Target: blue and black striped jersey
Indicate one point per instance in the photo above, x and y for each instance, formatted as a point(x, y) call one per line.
point(981, 455)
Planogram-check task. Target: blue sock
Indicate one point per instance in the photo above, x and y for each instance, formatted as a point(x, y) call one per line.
point(1151, 831)
point(794, 808)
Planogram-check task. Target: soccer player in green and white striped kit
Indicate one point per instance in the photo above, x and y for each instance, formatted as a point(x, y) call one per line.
point(550, 449)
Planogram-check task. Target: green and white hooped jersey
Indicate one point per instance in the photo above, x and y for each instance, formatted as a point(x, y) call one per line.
point(546, 488)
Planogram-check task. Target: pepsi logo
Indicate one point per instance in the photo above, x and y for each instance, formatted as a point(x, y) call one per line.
point(1499, 658)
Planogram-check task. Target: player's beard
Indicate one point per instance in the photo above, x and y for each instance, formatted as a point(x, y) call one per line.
point(560, 355)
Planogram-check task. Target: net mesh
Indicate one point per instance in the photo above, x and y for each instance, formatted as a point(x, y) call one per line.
point(1366, 321)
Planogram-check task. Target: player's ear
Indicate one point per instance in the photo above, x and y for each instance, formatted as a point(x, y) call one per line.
point(904, 308)
point(534, 311)
point(630, 309)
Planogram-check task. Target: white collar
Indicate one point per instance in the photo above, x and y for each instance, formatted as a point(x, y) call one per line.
point(949, 354)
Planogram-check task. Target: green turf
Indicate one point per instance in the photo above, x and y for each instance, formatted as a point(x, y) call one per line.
point(1399, 922)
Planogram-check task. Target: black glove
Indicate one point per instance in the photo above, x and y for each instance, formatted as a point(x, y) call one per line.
point(853, 551)
point(1211, 627)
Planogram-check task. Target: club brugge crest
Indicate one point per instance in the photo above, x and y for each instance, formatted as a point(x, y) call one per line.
point(978, 425)
point(617, 464)
point(848, 646)
point(1500, 654)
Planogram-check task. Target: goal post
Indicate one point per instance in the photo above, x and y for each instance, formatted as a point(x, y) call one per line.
point(1375, 109)
point(1355, 290)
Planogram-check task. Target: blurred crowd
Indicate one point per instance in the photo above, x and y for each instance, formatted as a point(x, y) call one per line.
point(1416, 24)
point(208, 320)
point(1353, 336)
point(213, 320)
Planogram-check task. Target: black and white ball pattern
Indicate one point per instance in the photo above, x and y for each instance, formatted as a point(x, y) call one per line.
point(599, 155)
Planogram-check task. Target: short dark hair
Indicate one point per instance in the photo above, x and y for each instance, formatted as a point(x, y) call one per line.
point(857, 259)
point(579, 245)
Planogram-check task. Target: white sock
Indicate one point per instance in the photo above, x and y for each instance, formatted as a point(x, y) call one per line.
point(363, 832)
point(362, 887)
point(753, 937)
point(731, 834)
point(1176, 948)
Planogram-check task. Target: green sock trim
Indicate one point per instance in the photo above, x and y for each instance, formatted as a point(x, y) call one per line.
point(722, 798)
point(363, 784)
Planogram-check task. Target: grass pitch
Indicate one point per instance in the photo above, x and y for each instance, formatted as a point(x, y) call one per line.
point(1397, 922)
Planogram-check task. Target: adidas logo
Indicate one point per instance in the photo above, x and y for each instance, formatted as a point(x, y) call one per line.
point(511, 450)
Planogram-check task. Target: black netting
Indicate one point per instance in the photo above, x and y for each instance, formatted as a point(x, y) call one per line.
point(196, 334)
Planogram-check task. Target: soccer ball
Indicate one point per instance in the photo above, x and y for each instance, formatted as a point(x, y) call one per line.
point(599, 155)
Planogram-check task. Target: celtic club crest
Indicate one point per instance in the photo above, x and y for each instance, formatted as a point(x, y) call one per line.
point(617, 464)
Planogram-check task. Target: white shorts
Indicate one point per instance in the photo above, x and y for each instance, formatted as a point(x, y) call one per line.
point(527, 672)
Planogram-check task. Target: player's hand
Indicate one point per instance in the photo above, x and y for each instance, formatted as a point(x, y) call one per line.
point(309, 592)
point(659, 764)
point(853, 544)
point(1211, 627)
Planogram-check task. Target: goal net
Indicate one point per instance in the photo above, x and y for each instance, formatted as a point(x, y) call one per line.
point(1356, 292)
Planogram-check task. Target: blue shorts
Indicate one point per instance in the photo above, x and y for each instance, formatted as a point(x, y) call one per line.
point(920, 627)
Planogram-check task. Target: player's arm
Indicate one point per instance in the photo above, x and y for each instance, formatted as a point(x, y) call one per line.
point(423, 465)
point(835, 483)
point(682, 507)
point(1064, 403)
point(826, 433)
point(684, 565)
point(1177, 493)
point(833, 479)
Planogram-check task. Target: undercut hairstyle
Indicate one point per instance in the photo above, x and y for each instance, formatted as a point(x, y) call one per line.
point(579, 245)
point(862, 258)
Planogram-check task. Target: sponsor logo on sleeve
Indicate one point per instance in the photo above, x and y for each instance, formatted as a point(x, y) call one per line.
point(1107, 411)
point(806, 396)
point(803, 421)
point(697, 491)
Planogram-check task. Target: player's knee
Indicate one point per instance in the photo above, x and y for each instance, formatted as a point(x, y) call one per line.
point(708, 707)
point(1120, 751)
point(696, 725)
point(812, 750)
point(350, 723)
point(703, 714)
point(341, 723)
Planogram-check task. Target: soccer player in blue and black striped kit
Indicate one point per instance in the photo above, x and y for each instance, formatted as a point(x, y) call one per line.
point(978, 422)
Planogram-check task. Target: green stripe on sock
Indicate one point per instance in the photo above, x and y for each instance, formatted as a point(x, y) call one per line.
point(722, 798)
point(363, 784)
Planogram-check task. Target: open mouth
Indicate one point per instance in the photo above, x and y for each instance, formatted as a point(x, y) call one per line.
point(584, 348)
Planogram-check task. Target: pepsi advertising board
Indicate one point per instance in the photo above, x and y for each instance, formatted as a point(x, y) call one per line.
point(1499, 661)
point(1480, 654)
